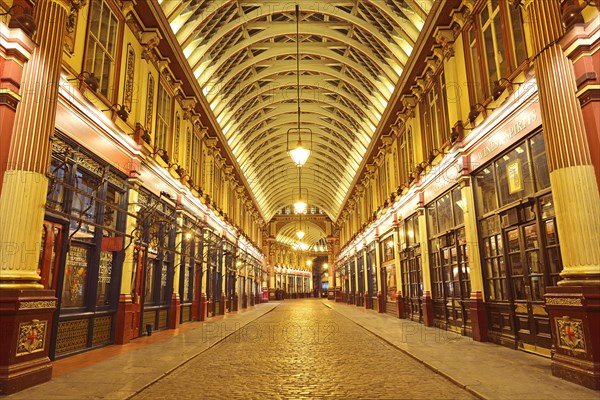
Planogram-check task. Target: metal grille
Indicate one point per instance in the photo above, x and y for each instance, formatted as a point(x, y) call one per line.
point(102, 330)
point(72, 336)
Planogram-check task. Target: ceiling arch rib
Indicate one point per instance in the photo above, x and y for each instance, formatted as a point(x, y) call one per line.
point(341, 20)
point(316, 196)
point(269, 119)
point(265, 83)
point(320, 138)
point(333, 174)
point(274, 170)
point(283, 99)
point(243, 53)
point(317, 176)
point(312, 88)
point(205, 70)
point(307, 109)
point(313, 233)
point(263, 52)
point(324, 132)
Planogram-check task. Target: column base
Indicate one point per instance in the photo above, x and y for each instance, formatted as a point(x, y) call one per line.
point(175, 313)
point(203, 307)
point(125, 329)
point(195, 304)
point(265, 295)
point(427, 308)
point(338, 294)
point(235, 302)
point(26, 319)
point(574, 313)
point(400, 305)
point(478, 317)
point(223, 304)
point(380, 303)
point(272, 294)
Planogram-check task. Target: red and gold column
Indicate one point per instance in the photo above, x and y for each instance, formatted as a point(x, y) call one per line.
point(26, 308)
point(574, 305)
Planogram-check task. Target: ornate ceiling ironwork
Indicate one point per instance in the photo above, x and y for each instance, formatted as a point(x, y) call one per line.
point(243, 54)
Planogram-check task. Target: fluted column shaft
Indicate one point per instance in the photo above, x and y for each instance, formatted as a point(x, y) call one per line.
point(24, 182)
point(573, 181)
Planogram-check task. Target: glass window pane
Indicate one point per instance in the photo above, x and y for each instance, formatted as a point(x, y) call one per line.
point(518, 35)
point(514, 178)
point(104, 278)
point(486, 190)
point(458, 204)
point(540, 163)
point(75, 278)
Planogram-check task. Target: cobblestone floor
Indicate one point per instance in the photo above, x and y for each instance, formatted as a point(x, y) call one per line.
point(301, 350)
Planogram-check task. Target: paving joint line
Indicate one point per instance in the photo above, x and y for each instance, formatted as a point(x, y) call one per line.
point(414, 357)
point(169, 372)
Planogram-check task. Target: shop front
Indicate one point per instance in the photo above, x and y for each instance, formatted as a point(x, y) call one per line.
point(352, 279)
point(82, 238)
point(155, 251)
point(190, 276)
point(520, 245)
point(410, 268)
point(388, 274)
point(448, 262)
point(229, 253)
point(372, 302)
point(360, 277)
point(214, 272)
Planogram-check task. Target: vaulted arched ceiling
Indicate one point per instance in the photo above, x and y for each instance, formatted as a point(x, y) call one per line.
point(243, 53)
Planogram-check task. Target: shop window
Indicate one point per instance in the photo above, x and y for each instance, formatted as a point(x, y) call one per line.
point(444, 211)
point(514, 175)
point(83, 206)
point(102, 45)
point(163, 117)
point(163, 283)
point(75, 277)
point(388, 249)
point(495, 273)
point(104, 277)
point(390, 283)
point(459, 206)
point(56, 191)
point(149, 281)
point(432, 223)
point(551, 240)
point(485, 185)
point(539, 161)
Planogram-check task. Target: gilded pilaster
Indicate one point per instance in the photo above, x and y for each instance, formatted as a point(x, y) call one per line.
point(574, 184)
point(24, 182)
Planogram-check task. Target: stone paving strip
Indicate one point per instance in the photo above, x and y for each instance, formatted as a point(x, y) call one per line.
point(303, 350)
point(122, 376)
point(488, 370)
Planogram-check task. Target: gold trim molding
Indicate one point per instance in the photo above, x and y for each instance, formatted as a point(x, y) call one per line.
point(34, 305)
point(564, 301)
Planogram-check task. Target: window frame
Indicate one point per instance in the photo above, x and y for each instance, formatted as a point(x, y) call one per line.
point(481, 87)
point(110, 97)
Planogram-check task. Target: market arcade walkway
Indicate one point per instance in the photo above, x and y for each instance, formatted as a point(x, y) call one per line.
point(306, 349)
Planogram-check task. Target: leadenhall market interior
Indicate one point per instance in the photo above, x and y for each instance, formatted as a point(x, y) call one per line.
point(167, 163)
